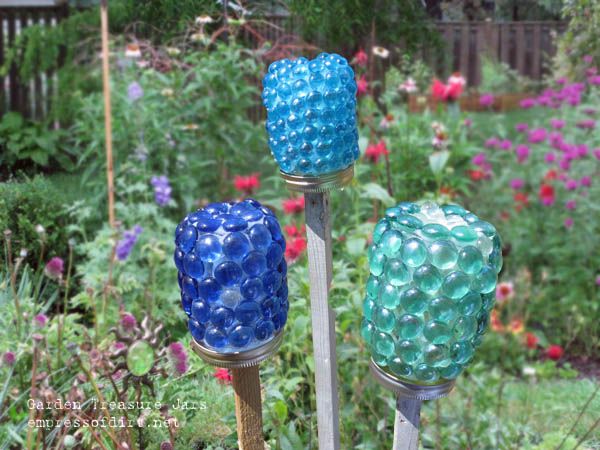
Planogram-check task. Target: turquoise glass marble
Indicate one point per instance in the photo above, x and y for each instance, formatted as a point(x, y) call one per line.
point(434, 271)
point(311, 114)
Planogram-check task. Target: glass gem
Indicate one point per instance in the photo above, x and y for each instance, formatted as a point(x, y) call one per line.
point(196, 329)
point(443, 254)
point(435, 231)
point(228, 273)
point(385, 319)
point(399, 368)
point(252, 288)
point(192, 265)
point(274, 255)
point(396, 272)
point(264, 330)
point(240, 336)
point(221, 317)
point(233, 223)
point(236, 245)
point(484, 244)
point(140, 358)
point(186, 304)
point(368, 308)
point(456, 285)
point(200, 311)
point(380, 359)
point(209, 289)
point(366, 330)
point(461, 352)
point(413, 300)
point(413, 252)
point(230, 297)
point(391, 242)
point(260, 236)
point(187, 238)
point(495, 260)
point(189, 287)
point(247, 312)
point(178, 259)
point(450, 372)
point(408, 351)
point(442, 309)
point(255, 263)
point(426, 373)
point(485, 280)
point(488, 300)
point(453, 209)
point(427, 278)
point(373, 284)
point(470, 259)
point(271, 282)
point(409, 223)
point(215, 337)
point(435, 355)
point(470, 304)
point(409, 326)
point(464, 234)
point(390, 296)
point(209, 248)
point(384, 344)
point(437, 332)
point(381, 227)
point(465, 327)
point(485, 227)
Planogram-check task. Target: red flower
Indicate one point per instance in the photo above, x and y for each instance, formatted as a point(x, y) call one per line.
point(223, 375)
point(375, 151)
point(521, 200)
point(448, 92)
point(551, 175)
point(362, 85)
point(293, 205)
point(546, 194)
point(246, 184)
point(555, 352)
point(477, 175)
point(438, 90)
point(531, 340)
point(361, 58)
point(293, 231)
point(294, 249)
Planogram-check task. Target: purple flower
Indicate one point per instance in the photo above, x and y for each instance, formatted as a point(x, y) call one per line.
point(506, 144)
point(134, 91)
point(597, 153)
point(557, 124)
point(40, 320)
point(527, 103)
point(571, 204)
point(586, 124)
point(517, 183)
point(178, 357)
point(54, 268)
point(128, 321)
point(571, 184)
point(492, 142)
point(479, 159)
point(586, 181)
point(486, 100)
point(568, 222)
point(564, 164)
point(468, 122)
point(595, 80)
point(598, 280)
point(562, 80)
point(522, 152)
point(537, 135)
point(9, 358)
point(582, 150)
point(162, 190)
point(125, 245)
point(521, 127)
point(550, 157)
point(588, 59)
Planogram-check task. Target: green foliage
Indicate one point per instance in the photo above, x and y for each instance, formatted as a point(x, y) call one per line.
point(343, 24)
point(26, 204)
point(498, 78)
point(27, 145)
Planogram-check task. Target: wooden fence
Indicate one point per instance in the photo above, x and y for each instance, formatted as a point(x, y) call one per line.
point(28, 97)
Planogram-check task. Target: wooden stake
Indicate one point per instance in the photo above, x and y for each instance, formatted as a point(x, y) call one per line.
point(406, 426)
point(248, 409)
point(318, 231)
point(107, 112)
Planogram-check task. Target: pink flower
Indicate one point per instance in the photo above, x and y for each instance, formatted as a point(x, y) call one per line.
point(468, 122)
point(246, 184)
point(505, 290)
point(571, 204)
point(54, 268)
point(178, 357)
point(479, 159)
point(522, 152)
point(521, 127)
point(361, 58)
point(537, 135)
point(375, 151)
point(8, 358)
point(586, 124)
point(40, 320)
point(517, 183)
point(448, 92)
point(550, 157)
point(409, 86)
point(128, 321)
point(486, 100)
point(492, 142)
point(588, 59)
point(568, 222)
point(557, 124)
point(362, 86)
point(527, 103)
point(505, 144)
point(598, 280)
point(571, 184)
point(586, 181)
point(293, 205)
point(595, 80)
point(597, 153)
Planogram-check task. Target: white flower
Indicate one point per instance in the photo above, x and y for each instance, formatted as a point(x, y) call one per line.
point(133, 51)
point(381, 52)
point(23, 253)
point(529, 371)
point(190, 127)
point(201, 20)
point(457, 78)
point(409, 86)
point(39, 229)
point(167, 92)
point(197, 37)
point(173, 51)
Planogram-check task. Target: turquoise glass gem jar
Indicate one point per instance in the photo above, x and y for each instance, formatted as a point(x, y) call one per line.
point(432, 285)
point(232, 276)
point(311, 115)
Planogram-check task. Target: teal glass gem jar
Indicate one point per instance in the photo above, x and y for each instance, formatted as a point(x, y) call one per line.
point(432, 285)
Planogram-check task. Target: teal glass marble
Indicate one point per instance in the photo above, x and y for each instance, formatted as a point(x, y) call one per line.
point(433, 276)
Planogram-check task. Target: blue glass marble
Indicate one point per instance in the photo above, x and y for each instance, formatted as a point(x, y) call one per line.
point(232, 273)
point(311, 114)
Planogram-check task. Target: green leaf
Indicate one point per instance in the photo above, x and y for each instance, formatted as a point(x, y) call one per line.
point(375, 191)
point(356, 246)
point(281, 410)
point(438, 160)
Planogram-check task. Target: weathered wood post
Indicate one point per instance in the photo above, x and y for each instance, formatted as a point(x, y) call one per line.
point(232, 277)
point(311, 121)
point(428, 300)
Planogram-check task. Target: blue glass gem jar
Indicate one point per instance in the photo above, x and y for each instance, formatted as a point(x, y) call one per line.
point(232, 275)
point(311, 114)
point(432, 286)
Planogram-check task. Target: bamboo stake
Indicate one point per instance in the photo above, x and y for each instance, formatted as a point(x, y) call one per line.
point(248, 408)
point(318, 231)
point(107, 112)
